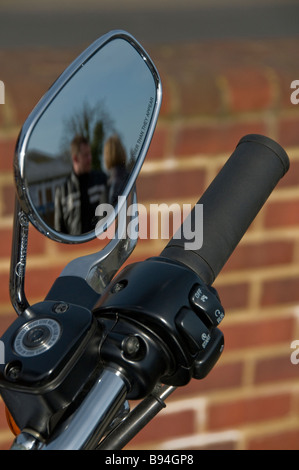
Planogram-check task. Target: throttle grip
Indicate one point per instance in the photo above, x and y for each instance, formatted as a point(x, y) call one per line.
point(230, 204)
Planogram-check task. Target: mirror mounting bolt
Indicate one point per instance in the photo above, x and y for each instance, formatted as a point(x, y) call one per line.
point(60, 308)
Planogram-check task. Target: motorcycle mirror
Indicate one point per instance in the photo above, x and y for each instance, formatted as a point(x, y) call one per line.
point(90, 132)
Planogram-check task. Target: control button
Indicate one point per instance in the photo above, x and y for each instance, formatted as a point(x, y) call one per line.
point(206, 359)
point(204, 300)
point(194, 331)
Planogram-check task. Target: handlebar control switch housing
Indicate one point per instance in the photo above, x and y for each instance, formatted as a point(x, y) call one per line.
point(174, 315)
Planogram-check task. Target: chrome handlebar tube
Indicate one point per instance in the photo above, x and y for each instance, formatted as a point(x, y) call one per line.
point(83, 430)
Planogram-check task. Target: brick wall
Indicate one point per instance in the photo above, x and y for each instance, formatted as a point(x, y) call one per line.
point(214, 93)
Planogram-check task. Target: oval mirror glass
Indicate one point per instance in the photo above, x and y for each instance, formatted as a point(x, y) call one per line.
point(85, 142)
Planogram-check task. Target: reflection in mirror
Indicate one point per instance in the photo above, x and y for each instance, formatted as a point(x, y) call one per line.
point(85, 146)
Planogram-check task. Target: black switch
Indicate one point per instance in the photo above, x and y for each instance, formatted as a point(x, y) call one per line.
point(194, 331)
point(206, 359)
point(203, 300)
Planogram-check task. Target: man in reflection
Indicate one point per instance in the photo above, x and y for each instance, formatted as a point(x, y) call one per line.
point(76, 200)
point(115, 160)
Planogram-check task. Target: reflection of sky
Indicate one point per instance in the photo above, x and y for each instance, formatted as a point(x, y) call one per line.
point(117, 77)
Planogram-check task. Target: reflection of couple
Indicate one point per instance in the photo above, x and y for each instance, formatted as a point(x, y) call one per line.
point(115, 162)
point(76, 200)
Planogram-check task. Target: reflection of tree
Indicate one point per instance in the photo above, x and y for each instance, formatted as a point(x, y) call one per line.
point(97, 144)
point(94, 123)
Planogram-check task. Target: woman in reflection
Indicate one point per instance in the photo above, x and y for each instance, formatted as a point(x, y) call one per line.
point(76, 200)
point(115, 162)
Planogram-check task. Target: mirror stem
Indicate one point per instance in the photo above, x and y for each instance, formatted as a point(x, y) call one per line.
point(18, 260)
point(99, 268)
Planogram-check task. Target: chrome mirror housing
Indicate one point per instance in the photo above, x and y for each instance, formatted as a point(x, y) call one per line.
point(86, 140)
point(81, 150)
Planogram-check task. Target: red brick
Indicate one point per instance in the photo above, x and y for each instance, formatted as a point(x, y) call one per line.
point(171, 185)
point(6, 320)
point(288, 134)
point(281, 440)
point(39, 70)
point(168, 426)
point(5, 242)
point(8, 195)
point(198, 91)
point(222, 377)
point(220, 445)
point(211, 139)
point(233, 296)
point(248, 411)
point(4, 289)
point(291, 178)
point(255, 255)
point(249, 88)
point(275, 369)
point(282, 213)
point(280, 291)
point(36, 242)
point(158, 144)
point(251, 334)
point(216, 445)
point(7, 148)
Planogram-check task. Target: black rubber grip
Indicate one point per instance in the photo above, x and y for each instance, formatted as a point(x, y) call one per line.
point(229, 205)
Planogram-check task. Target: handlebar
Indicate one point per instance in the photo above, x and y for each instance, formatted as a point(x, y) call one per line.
point(83, 428)
point(165, 306)
point(230, 204)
